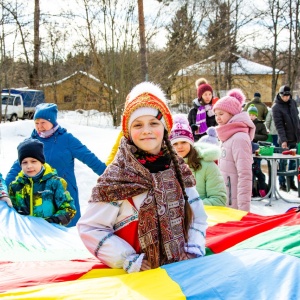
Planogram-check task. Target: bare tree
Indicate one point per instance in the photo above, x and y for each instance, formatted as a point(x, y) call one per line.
point(36, 41)
point(143, 49)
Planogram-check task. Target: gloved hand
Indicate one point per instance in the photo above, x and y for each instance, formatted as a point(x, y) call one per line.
point(7, 200)
point(210, 113)
point(53, 219)
point(194, 127)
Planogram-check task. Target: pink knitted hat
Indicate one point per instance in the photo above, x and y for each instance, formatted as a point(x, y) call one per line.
point(232, 103)
point(202, 88)
point(181, 130)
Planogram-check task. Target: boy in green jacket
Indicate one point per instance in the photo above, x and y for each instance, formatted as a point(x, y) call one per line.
point(37, 190)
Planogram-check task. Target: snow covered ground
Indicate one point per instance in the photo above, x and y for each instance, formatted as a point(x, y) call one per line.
point(95, 130)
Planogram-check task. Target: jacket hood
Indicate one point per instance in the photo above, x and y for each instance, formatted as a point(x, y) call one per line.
point(207, 151)
point(280, 101)
point(196, 103)
point(242, 117)
point(48, 173)
point(256, 100)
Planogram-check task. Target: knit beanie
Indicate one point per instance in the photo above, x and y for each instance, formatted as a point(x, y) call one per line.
point(31, 148)
point(232, 103)
point(252, 110)
point(202, 88)
point(211, 137)
point(46, 111)
point(257, 94)
point(145, 99)
point(285, 90)
point(181, 131)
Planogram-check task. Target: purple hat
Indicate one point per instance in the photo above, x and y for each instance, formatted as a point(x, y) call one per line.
point(181, 131)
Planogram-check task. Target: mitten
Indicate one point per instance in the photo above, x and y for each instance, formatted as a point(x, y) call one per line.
point(7, 200)
point(53, 219)
point(210, 113)
point(194, 127)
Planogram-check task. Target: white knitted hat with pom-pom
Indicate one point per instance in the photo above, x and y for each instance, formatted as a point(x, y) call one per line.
point(181, 130)
point(144, 99)
point(232, 103)
point(211, 137)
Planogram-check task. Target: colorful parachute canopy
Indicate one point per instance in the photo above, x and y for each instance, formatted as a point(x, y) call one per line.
point(249, 257)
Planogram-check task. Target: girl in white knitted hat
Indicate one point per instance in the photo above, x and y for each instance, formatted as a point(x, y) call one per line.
point(145, 211)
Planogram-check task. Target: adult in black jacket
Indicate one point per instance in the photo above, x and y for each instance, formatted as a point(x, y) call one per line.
point(287, 123)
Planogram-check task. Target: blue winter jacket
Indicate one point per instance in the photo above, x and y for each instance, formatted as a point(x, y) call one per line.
point(60, 151)
point(44, 196)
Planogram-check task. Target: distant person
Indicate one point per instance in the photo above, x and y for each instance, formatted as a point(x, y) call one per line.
point(261, 134)
point(270, 125)
point(200, 157)
point(145, 211)
point(287, 123)
point(236, 131)
point(37, 190)
point(261, 107)
point(61, 148)
point(202, 116)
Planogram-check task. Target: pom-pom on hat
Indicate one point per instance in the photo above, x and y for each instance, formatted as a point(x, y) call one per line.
point(211, 137)
point(257, 94)
point(144, 99)
point(200, 81)
point(232, 103)
point(31, 148)
point(46, 111)
point(202, 88)
point(252, 110)
point(181, 131)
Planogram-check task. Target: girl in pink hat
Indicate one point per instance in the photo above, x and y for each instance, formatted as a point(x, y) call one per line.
point(200, 157)
point(236, 131)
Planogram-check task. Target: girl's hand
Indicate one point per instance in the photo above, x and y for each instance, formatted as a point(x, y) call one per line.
point(145, 265)
point(186, 256)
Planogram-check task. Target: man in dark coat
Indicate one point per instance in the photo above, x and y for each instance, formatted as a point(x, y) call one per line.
point(287, 123)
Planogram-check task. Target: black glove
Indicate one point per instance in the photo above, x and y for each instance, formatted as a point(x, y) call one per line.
point(53, 219)
point(194, 127)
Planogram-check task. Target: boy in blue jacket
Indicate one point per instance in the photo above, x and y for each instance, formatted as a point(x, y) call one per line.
point(37, 190)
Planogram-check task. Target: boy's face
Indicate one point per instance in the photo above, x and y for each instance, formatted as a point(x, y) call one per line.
point(222, 116)
point(252, 117)
point(31, 166)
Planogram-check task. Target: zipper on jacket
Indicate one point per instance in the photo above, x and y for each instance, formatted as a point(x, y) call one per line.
point(31, 197)
point(228, 184)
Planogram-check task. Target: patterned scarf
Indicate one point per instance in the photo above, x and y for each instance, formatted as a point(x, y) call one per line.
point(201, 120)
point(161, 215)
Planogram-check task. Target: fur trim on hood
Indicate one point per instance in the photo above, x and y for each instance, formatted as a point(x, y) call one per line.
point(208, 152)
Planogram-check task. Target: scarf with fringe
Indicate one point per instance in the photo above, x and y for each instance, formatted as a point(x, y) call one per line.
point(161, 215)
